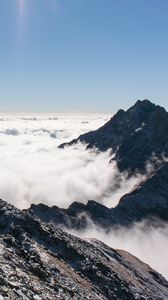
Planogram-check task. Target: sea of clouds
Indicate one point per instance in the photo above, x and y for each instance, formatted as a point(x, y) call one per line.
point(35, 170)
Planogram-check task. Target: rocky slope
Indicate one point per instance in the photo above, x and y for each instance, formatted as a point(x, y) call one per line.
point(38, 261)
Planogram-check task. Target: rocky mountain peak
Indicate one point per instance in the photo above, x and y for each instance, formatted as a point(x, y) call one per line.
point(134, 135)
point(138, 137)
point(144, 104)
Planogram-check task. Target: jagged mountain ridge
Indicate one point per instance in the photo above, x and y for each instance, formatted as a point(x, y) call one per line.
point(38, 261)
point(134, 136)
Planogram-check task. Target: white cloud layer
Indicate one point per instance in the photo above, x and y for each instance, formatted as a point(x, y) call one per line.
point(34, 170)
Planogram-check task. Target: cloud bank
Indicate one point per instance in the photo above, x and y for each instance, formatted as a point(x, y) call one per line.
point(34, 170)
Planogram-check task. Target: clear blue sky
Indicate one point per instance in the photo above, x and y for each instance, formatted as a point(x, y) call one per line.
point(82, 55)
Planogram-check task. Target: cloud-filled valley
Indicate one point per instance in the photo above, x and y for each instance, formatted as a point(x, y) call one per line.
point(34, 170)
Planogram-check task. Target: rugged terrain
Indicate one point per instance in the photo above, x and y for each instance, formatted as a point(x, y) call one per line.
point(39, 261)
point(137, 136)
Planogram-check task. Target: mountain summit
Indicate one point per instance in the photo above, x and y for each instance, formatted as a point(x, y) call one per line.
point(135, 136)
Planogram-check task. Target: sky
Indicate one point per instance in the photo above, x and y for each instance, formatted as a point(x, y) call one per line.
point(82, 55)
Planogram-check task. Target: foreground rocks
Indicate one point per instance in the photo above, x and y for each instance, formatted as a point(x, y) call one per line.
point(39, 261)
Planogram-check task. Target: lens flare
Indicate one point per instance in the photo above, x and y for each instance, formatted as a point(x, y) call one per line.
point(21, 7)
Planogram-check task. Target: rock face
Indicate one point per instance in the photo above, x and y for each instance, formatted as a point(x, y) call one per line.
point(39, 261)
point(134, 135)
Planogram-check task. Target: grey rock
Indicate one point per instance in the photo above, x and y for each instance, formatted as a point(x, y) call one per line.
point(134, 136)
point(40, 261)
